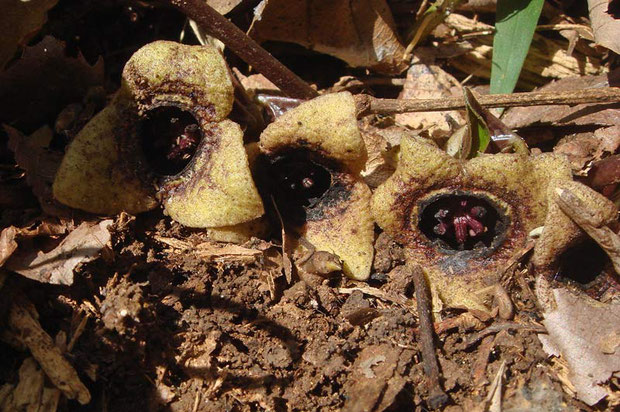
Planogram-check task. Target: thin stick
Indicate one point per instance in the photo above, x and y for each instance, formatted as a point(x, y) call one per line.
point(218, 26)
point(438, 397)
point(369, 105)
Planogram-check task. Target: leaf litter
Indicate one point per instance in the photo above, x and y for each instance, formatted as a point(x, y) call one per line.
point(153, 315)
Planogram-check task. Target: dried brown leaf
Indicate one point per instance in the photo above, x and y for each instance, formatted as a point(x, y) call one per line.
point(56, 266)
point(8, 245)
point(578, 329)
point(40, 165)
point(48, 355)
point(43, 82)
point(604, 172)
point(606, 28)
point(224, 6)
point(583, 148)
point(427, 81)
point(547, 58)
point(360, 32)
point(583, 114)
point(19, 21)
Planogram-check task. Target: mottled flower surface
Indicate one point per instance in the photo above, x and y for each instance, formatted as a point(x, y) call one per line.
point(165, 138)
point(464, 221)
point(316, 154)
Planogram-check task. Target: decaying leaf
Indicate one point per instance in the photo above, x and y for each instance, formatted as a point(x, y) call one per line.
point(8, 245)
point(40, 164)
point(582, 149)
point(29, 331)
point(606, 28)
point(42, 82)
point(316, 153)
point(463, 221)
point(56, 266)
point(547, 58)
point(579, 115)
point(360, 32)
point(223, 6)
point(428, 81)
point(20, 20)
point(579, 330)
point(118, 162)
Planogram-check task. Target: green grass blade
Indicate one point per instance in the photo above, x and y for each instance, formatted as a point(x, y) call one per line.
point(514, 28)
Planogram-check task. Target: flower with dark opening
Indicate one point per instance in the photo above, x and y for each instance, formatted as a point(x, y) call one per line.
point(165, 137)
point(315, 154)
point(464, 221)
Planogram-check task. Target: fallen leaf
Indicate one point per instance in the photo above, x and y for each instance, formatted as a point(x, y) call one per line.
point(578, 328)
point(8, 245)
point(360, 32)
point(224, 6)
point(582, 114)
point(43, 82)
point(606, 28)
point(547, 58)
point(583, 148)
point(428, 81)
point(604, 172)
point(56, 266)
point(19, 21)
point(9, 235)
point(40, 165)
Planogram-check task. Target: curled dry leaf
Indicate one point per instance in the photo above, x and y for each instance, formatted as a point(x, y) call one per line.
point(547, 58)
point(362, 32)
point(579, 115)
point(56, 266)
point(579, 329)
point(428, 81)
point(165, 136)
point(20, 20)
point(224, 6)
point(40, 164)
point(43, 82)
point(605, 26)
point(463, 221)
point(315, 154)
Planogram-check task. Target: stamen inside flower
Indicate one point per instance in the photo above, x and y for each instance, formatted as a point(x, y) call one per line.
point(460, 221)
point(170, 137)
point(297, 183)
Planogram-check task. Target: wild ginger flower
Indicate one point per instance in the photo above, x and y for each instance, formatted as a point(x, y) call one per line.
point(165, 137)
point(463, 221)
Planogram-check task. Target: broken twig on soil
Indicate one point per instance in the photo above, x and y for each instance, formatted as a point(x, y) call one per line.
point(499, 326)
point(369, 105)
point(438, 397)
point(218, 26)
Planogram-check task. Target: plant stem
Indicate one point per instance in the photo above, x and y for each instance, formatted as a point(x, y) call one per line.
point(218, 26)
point(369, 105)
point(438, 397)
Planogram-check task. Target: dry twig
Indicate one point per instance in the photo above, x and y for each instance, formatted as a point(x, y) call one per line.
point(369, 105)
point(438, 397)
point(218, 26)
